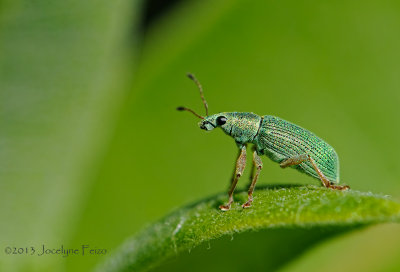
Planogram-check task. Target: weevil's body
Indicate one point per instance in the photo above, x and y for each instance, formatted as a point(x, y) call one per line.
point(280, 140)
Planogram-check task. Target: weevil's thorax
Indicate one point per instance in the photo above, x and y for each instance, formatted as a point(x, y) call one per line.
point(242, 126)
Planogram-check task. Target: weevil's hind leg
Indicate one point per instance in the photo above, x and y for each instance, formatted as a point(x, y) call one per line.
point(240, 164)
point(258, 164)
point(324, 180)
point(296, 160)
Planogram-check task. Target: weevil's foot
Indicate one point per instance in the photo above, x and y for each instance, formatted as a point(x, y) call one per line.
point(338, 187)
point(225, 208)
point(247, 204)
point(342, 188)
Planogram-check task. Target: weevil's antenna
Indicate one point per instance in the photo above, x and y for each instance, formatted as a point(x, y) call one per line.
point(189, 110)
point(192, 77)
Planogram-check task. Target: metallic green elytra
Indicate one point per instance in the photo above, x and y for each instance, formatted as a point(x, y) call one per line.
point(280, 140)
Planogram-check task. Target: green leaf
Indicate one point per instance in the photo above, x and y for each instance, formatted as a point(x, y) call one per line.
point(273, 208)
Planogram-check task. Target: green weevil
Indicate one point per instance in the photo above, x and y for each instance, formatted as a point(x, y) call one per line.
point(284, 142)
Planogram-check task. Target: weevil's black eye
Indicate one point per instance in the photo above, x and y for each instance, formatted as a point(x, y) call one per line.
point(221, 120)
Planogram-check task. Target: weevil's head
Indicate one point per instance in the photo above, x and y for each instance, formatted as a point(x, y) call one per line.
point(209, 122)
point(222, 120)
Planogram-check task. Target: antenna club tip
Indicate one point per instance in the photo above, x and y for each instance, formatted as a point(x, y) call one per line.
point(180, 108)
point(191, 76)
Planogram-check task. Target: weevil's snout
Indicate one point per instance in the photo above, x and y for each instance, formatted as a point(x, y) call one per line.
point(206, 125)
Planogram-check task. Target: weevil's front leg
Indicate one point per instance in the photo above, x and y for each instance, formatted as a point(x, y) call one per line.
point(295, 160)
point(240, 164)
point(258, 163)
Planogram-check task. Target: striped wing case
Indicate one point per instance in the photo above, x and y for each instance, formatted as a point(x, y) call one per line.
point(279, 139)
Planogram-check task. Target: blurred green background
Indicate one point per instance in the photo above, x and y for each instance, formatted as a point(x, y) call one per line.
point(92, 148)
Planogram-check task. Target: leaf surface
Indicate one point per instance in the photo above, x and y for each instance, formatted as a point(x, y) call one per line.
point(273, 208)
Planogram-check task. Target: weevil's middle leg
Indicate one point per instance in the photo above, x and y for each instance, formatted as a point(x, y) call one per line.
point(240, 164)
point(296, 160)
point(258, 163)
